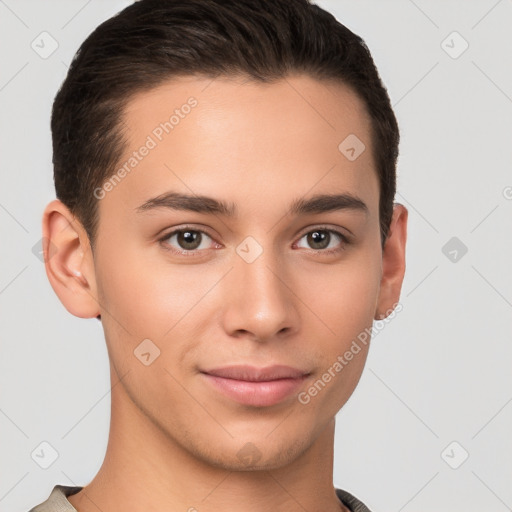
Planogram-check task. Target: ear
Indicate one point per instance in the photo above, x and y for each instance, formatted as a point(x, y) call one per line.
point(393, 263)
point(69, 261)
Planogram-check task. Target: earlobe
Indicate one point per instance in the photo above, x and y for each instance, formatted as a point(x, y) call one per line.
point(68, 261)
point(393, 263)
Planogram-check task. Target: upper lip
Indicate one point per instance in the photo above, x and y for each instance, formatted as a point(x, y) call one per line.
point(254, 374)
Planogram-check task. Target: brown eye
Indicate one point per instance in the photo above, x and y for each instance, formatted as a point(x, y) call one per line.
point(324, 240)
point(187, 240)
point(319, 239)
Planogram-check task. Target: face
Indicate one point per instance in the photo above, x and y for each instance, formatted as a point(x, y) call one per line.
point(229, 288)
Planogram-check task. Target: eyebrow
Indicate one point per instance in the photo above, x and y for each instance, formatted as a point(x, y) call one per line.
point(320, 203)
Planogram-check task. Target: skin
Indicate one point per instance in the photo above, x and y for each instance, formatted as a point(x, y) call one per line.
point(174, 439)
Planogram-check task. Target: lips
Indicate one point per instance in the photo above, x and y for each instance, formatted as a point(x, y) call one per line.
point(252, 374)
point(258, 387)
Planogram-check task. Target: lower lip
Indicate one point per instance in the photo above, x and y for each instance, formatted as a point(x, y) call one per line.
point(257, 394)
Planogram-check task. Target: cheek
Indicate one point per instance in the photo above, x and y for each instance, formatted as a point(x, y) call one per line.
point(148, 298)
point(142, 289)
point(343, 296)
point(345, 311)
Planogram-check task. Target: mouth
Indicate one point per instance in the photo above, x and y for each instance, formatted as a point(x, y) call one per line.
point(257, 387)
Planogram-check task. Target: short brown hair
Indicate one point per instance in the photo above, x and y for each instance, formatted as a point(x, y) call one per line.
point(152, 41)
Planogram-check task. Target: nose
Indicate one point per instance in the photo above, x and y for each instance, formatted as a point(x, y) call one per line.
point(259, 302)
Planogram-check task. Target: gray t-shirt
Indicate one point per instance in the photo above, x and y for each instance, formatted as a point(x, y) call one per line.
point(57, 501)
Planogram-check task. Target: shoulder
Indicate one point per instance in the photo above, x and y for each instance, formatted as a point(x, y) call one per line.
point(57, 501)
point(350, 501)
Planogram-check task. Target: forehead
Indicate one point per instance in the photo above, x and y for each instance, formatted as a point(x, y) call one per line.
point(234, 137)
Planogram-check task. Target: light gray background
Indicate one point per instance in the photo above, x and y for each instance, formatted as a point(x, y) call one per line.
point(439, 372)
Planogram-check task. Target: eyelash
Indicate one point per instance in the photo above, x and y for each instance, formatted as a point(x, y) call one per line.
point(195, 252)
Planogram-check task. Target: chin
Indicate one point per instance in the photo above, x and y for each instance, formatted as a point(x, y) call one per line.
point(252, 455)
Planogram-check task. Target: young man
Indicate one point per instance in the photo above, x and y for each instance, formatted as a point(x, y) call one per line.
point(225, 174)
